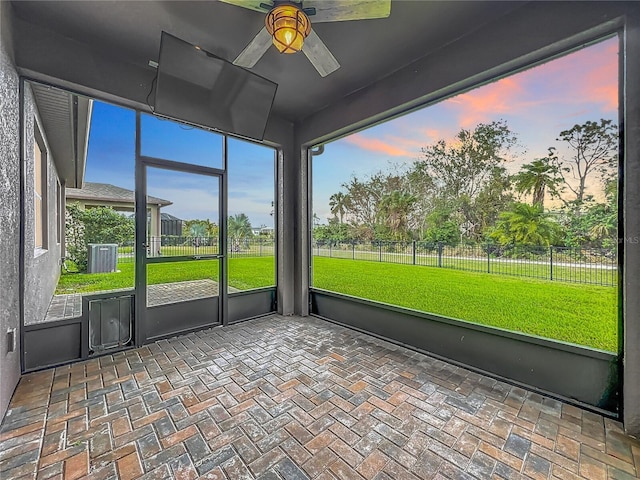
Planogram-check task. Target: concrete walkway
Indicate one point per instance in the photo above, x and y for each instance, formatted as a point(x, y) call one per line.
point(63, 307)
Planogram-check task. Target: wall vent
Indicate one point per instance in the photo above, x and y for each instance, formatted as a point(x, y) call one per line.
point(11, 340)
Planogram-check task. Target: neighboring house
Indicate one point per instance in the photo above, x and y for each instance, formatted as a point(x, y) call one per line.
point(120, 199)
point(171, 225)
point(266, 231)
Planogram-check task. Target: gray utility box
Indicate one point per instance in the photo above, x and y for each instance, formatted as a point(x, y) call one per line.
point(102, 257)
point(110, 323)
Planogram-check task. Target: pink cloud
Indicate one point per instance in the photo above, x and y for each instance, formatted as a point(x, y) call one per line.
point(379, 146)
point(482, 104)
point(589, 75)
point(432, 134)
point(543, 97)
point(601, 83)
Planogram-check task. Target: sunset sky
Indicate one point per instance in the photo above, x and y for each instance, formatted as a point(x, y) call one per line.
point(537, 104)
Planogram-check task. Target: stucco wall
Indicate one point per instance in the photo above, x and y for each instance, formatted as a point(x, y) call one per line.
point(9, 214)
point(41, 266)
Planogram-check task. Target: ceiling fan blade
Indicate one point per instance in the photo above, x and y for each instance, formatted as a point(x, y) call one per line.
point(257, 5)
point(341, 10)
point(255, 50)
point(319, 55)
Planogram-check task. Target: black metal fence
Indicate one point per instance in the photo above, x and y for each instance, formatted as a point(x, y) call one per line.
point(179, 246)
point(576, 265)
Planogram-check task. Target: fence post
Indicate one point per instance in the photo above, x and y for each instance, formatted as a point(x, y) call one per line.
point(380, 251)
point(551, 262)
point(488, 259)
point(440, 248)
point(330, 248)
point(260, 244)
point(353, 250)
point(414, 252)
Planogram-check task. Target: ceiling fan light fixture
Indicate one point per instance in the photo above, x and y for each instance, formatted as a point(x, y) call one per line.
point(289, 26)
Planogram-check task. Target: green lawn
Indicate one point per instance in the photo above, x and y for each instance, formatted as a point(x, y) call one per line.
point(581, 314)
point(244, 273)
point(574, 313)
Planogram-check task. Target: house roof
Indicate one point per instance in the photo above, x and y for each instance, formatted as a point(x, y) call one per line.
point(105, 192)
point(65, 120)
point(168, 216)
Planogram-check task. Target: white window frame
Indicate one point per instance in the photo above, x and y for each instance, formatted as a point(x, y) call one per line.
point(40, 191)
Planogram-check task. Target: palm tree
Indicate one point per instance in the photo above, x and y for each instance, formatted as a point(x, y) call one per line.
point(394, 209)
point(197, 229)
point(338, 203)
point(536, 178)
point(239, 226)
point(525, 225)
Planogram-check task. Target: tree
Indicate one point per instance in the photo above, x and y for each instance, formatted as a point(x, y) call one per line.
point(201, 228)
point(94, 225)
point(203, 232)
point(338, 203)
point(594, 150)
point(538, 177)
point(364, 197)
point(597, 224)
point(424, 190)
point(196, 228)
point(525, 224)
point(464, 165)
point(467, 176)
point(394, 211)
point(333, 233)
point(481, 213)
point(442, 229)
point(239, 226)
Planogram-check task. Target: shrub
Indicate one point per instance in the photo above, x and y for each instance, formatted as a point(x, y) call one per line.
point(94, 225)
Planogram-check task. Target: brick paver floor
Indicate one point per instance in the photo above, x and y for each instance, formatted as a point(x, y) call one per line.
point(294, 398)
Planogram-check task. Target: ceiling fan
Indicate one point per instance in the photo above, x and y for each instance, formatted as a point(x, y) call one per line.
point(288, 27)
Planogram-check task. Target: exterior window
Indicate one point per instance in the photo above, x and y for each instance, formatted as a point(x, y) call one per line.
point(59, 225)
point(40, 193)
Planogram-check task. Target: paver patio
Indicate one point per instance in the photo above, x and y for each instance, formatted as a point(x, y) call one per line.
point(294, 398)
